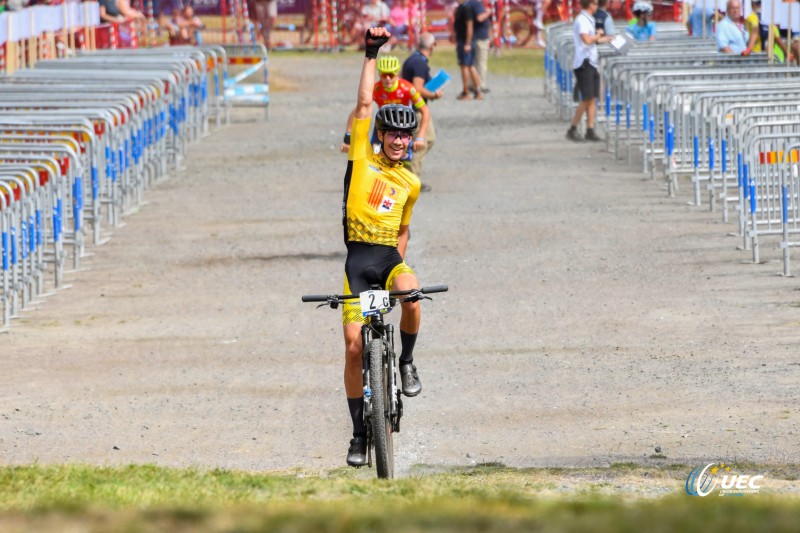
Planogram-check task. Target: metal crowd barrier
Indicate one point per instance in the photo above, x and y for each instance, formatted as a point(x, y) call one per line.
point(244, 64)
point(729, 123)
point(81, 140)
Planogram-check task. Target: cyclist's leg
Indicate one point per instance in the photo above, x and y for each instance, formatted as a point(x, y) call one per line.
point(353, 383)
point(410, 319)
point(403, 280)
point(409, 327)
point(352, 363)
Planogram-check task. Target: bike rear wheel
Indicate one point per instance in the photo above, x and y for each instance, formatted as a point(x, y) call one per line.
point(380, 419)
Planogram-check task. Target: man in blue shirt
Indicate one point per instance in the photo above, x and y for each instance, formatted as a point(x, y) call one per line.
point(700, 21)
point(732, 36)
point(418, 72)
point(642, 28)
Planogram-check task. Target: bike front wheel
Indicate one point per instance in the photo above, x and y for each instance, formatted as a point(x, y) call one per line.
point(381, 401)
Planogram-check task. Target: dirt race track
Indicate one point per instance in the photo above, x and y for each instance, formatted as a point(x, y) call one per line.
point(590, 318)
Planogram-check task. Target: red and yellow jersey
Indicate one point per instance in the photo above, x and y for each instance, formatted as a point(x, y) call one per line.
point(403, 93)
point(379, 194)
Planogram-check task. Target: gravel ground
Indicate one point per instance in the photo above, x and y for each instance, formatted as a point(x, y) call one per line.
point(590, 318)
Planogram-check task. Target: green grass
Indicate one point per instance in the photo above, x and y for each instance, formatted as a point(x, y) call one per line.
point(485, 498)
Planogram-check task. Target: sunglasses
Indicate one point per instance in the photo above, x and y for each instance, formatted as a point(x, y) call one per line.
point(404, 136)
point(388, 74)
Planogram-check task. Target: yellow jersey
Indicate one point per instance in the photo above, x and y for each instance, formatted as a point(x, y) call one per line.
point(379, 194)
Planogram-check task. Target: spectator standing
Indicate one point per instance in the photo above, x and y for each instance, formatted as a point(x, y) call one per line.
point(642, 28)
point(759, 33)
point(732, 36)
point(3, 6)
point(109, 11)
point(603, 19)
point(264, 14)
point(417, 71)
point(587, 79)
point(481, 27)
point(700, 22)
point(463, 27)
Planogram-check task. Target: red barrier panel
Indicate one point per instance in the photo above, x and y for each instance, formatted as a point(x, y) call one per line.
point(106, 36)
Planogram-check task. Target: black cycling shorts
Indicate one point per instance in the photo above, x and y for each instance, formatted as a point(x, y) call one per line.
point(369, 264)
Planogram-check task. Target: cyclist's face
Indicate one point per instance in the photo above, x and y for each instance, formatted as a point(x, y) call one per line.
point(388, 79)
point(395, 144)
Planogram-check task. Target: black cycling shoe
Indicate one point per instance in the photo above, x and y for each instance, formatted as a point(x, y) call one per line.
point(357, 453)
point(410, 380)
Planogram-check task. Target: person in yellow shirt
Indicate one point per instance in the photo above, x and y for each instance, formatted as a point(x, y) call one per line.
point(759, 33)
point(379, 194)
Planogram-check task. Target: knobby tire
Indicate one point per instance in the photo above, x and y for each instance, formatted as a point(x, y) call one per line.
point(380, 421)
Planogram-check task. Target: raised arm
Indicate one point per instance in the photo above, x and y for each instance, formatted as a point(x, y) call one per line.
point(374, 39)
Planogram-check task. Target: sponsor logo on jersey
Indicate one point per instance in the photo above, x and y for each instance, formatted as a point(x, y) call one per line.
point(392, 191)
point(376, 169)
point(386, 205)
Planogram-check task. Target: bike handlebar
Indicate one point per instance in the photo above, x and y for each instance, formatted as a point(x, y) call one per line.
point(338, 297)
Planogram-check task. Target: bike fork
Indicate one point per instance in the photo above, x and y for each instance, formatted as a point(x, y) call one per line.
point(395, 403)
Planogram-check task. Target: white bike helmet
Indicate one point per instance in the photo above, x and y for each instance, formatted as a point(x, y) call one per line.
point(642, 7)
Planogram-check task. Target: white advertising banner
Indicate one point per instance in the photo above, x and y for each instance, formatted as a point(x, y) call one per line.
point(91, 13)
point(781, 13)
point(19, 26)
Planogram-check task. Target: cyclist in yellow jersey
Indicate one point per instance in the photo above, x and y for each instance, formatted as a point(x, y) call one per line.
point(379, 193)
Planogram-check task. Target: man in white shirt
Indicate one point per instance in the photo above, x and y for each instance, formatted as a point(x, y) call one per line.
point(587, 78)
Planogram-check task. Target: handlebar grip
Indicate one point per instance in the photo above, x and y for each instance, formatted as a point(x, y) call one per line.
point(315, 298)
point(433, 288)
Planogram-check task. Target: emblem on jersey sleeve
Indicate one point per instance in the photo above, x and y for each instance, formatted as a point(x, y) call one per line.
point(386, 205)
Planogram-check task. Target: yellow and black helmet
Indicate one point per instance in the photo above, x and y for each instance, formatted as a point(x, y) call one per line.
point(389, 64)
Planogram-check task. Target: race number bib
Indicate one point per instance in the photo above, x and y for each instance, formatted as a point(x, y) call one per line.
point(374, 302)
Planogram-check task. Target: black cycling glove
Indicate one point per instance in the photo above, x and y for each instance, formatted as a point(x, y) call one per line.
point(373, 44)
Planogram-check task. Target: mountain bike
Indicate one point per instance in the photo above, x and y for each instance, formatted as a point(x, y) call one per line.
point(383, 405)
